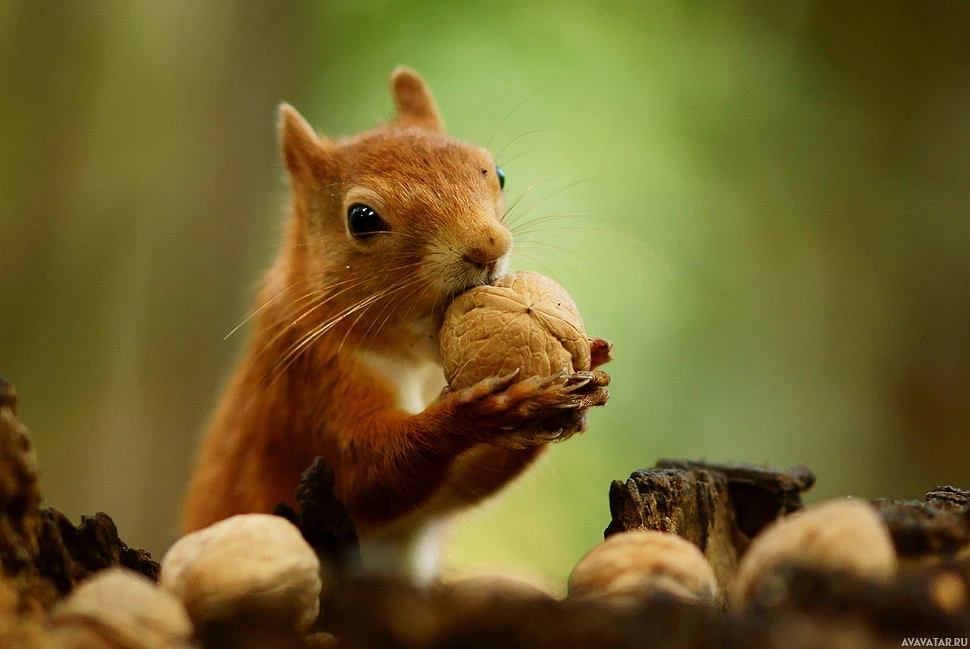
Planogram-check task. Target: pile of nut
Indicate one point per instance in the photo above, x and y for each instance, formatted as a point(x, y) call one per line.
point(250, 580)
point(696, 555)
point(838, 535)
point(253, 581)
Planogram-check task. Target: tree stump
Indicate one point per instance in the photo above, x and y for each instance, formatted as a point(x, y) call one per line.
point(718, 507)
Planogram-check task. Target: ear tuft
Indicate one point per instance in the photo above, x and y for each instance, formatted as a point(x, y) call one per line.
point(415, 104)
point(299, 144)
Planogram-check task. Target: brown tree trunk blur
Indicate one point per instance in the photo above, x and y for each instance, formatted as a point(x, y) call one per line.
point(896, 76)
point(183, 197)
point(907, 67)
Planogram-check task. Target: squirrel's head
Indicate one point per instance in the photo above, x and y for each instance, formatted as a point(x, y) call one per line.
point(403, 215)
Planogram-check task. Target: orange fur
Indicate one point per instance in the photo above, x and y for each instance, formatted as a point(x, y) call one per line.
point(309, 385)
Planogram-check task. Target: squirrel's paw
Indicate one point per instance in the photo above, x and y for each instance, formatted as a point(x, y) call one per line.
point(535, 433)
point(532, 411)
point(543, 397)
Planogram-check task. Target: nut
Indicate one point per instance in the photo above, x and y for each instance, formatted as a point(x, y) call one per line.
point(117, 607)
point(479, 591)
point(524, 321)
point(631, 566)
point(948, 591)
point(252, 567)
point(839, 534)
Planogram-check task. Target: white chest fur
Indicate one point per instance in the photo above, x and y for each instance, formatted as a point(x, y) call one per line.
point(416, 381)
point(409, 547)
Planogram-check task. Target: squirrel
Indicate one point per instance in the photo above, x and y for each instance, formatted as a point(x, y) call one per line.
point(385, 228)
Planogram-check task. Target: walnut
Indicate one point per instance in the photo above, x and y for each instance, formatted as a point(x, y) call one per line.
point(118, 608)
point(524, 321)
point(479, 591)
point(629, 567)
point(839, 534)
point(251, 568)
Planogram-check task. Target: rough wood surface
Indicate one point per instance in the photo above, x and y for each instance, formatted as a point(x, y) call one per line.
point(19, 488)
point(801, 608)
point(324, 521)
point(42, 554)
point(875, 615)
point(936, 529)
point(19, 511)
point(759, 495)
point(69, 553)
point(718, 507)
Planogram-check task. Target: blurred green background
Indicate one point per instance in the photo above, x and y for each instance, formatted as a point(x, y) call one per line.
point(766, 206)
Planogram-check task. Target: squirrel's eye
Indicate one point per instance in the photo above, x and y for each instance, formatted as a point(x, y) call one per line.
point(364, 222)
point(501, 177)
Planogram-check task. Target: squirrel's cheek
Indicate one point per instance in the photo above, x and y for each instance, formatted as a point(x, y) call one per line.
point(445, 273)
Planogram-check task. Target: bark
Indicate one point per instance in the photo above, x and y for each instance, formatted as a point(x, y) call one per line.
point(720, 507)
point(42, 554)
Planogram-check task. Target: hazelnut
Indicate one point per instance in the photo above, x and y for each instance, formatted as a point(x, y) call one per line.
point(631, 566)
point(524, 321)
point(840, 534)
point(254, 568)
point(117, 607)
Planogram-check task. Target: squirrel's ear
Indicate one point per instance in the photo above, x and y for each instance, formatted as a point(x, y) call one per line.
point(415, 105)
point(301, 147)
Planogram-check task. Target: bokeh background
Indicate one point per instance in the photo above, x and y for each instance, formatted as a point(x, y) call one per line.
point(766, 206)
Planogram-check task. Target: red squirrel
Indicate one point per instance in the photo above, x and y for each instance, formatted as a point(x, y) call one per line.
point(385, 228)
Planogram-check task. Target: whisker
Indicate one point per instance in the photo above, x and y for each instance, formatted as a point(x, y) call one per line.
point(533, 224)
point(403, 298)
point(535, 183)
point(294, 351)
point(328, 324)
point(569, 252)
point(511, 112)
point(520, 155)
point(327, 297)
point(260, 309)
point(498, 154)
point(542, 200)
point(275, 297)
point(415, 301)
point(401, 286)
point(578, 228)
point(536, 261)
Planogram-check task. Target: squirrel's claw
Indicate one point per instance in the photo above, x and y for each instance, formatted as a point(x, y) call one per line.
point(485, 387)
point(532, 411)
point(587, 381)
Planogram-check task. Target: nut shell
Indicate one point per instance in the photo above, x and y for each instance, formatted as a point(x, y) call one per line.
point(632, 566)
point(117, 607)
point(524, 321)
point(840, 534)
point(252, 566)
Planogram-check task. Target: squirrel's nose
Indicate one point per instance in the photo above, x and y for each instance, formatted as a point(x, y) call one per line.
point(489, 249)
point(488, 261)
point(481, 257)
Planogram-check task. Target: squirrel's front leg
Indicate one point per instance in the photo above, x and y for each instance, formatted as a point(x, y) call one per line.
point(395, 462)
point(389, 462)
